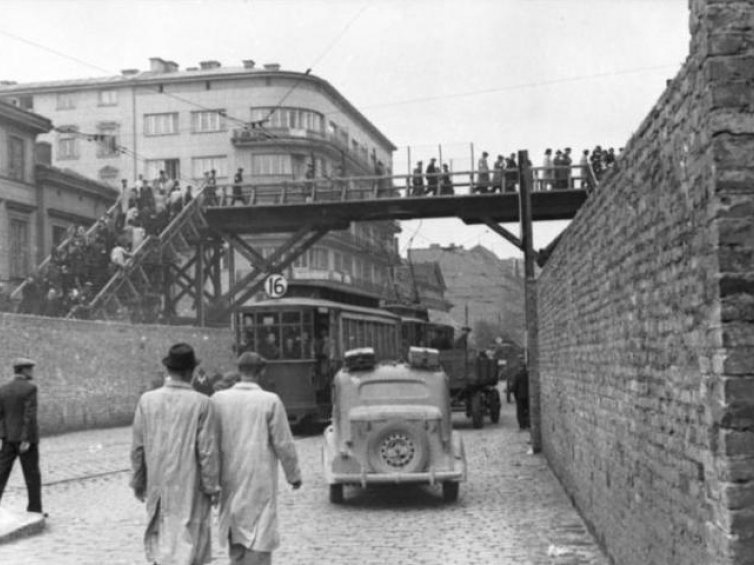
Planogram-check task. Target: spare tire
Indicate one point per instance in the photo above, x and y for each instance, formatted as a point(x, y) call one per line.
point(399, 447)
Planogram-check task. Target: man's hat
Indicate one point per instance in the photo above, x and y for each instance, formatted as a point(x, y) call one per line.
point(180, 357)
point(19, 362)
point(251, 359)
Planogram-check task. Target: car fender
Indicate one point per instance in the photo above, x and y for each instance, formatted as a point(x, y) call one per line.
point(459, 453)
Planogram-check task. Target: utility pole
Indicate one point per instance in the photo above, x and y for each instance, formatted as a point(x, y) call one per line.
point(532, 319)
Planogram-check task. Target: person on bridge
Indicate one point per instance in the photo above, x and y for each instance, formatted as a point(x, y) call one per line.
point(432, 177)
point(176, 465)
point(497, 174)
point(483, 175)
point(19, 432)
point(238, 188)
point(511, 173)
point(417, 181)
point(254, 437)
point(446, 183)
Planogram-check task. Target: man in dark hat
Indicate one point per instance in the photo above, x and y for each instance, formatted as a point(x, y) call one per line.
point(19, 432)
point(176, 464)
point(520, 389)
point(255, 437)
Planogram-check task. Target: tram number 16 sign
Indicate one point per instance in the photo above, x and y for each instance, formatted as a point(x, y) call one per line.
point(275, 286)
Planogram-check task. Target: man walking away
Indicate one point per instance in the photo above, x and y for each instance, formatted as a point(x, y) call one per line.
point(254, 437)
point(19, 432)
point(176, 465)
point(238, 188)
point(520, 390)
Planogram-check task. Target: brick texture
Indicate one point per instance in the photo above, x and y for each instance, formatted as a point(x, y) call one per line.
point(646, 314)
point(91, 374)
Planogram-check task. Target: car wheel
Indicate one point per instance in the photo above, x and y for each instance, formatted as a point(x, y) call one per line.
point(477, 414)
point(399, 447)
point(495, 404)
point(450, 491)
point(336, 494)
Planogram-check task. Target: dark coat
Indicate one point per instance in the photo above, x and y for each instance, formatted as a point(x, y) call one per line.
point(520, 384)
point(18, 411)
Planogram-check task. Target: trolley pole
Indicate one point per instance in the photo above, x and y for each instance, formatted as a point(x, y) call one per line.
point(532, 319)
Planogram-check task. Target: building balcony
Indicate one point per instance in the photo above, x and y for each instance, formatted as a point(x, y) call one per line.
point(251, 137)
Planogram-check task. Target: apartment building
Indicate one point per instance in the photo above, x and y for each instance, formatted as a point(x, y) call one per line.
point(274, 124)
point(38, 202)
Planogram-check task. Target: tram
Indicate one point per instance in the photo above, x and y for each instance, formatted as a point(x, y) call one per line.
point(304, 339)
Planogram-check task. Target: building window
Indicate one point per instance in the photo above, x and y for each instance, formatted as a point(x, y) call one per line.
point(172, 168)
point(271, 165)
point(337, 261)
point(302, 261)
point(16, 158)
point(66, 101)
point(347, 263)
point(201, 165)
point(19, 248)
point(205, 122)
point(107, 142)
point(320, 259)
point(161, 124)
point(59, 233)
point(68, 142)
point(293, 118)
point(108, 97)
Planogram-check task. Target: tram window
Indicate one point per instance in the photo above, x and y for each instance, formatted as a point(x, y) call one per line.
point(307, 318)
point(291, 317)
point(292, 342)
point(267, 319)
point(269, 342)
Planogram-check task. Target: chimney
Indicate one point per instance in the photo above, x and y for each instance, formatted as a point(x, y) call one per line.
point(272, 67)
point(206, 65)
point(171, 66)
point(156, 65)
point(129, 72)
point(43, 153)
point(248, 63)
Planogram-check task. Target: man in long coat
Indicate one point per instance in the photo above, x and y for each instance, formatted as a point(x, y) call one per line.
point(254, 437)
point(176, 465)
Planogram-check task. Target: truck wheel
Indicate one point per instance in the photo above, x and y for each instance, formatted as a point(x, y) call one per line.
point(494, 404)
point(399, 447)
point(450, 491)
point(477, 414)
point(336, 494)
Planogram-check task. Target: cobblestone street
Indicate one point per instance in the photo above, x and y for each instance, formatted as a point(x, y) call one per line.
point(511, 511)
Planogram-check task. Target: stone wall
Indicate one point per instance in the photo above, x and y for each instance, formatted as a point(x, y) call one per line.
point(646, 313)
point(90, 374)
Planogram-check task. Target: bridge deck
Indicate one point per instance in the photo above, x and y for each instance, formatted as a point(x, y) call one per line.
point(472, 209)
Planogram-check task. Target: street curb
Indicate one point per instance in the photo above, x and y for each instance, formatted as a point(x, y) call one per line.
point(15, 525)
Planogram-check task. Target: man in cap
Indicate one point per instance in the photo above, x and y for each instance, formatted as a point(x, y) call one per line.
point(19, 432)
point(176, 464)
point(254, 437)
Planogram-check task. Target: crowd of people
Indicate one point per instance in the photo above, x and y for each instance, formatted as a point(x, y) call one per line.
point(82, 264)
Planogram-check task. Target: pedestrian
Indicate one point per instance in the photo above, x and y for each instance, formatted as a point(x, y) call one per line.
point(520, 390)
point(417, 181)
point(561, 177)
point(497, 174)
point(19, 432)
point(238, 188)
point(483, 175)
point(432, 177)
point(567, 162)
point(175, 464)
point(511, 173)
point(547, 171)
point(254, 438)
point(446, 183)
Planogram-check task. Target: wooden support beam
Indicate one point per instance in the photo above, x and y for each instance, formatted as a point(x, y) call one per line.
point(504, 233)
point(199, 281)
point(532, 318)
point(252, 255)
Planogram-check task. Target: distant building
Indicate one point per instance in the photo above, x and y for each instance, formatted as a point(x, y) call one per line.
point(38, 202)
point(478, 281)
point(276, 125)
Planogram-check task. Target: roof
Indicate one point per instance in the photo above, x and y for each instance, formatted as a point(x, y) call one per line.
point(24, 119)
point(146, 78)
point(74, 180)
point(315, 303)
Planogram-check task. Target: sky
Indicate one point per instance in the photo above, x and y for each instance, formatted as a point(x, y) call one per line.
point(432, 75)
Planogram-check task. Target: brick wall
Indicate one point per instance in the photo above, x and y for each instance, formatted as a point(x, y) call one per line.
point(646, 313)
point(90, 374)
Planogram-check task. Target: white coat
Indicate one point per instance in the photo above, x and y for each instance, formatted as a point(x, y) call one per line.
point(254, 436)
point(176, 465)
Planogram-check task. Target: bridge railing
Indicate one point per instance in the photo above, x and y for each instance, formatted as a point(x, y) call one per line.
point(337, 189)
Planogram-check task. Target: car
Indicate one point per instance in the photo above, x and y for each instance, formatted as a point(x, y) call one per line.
point(391, 424)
